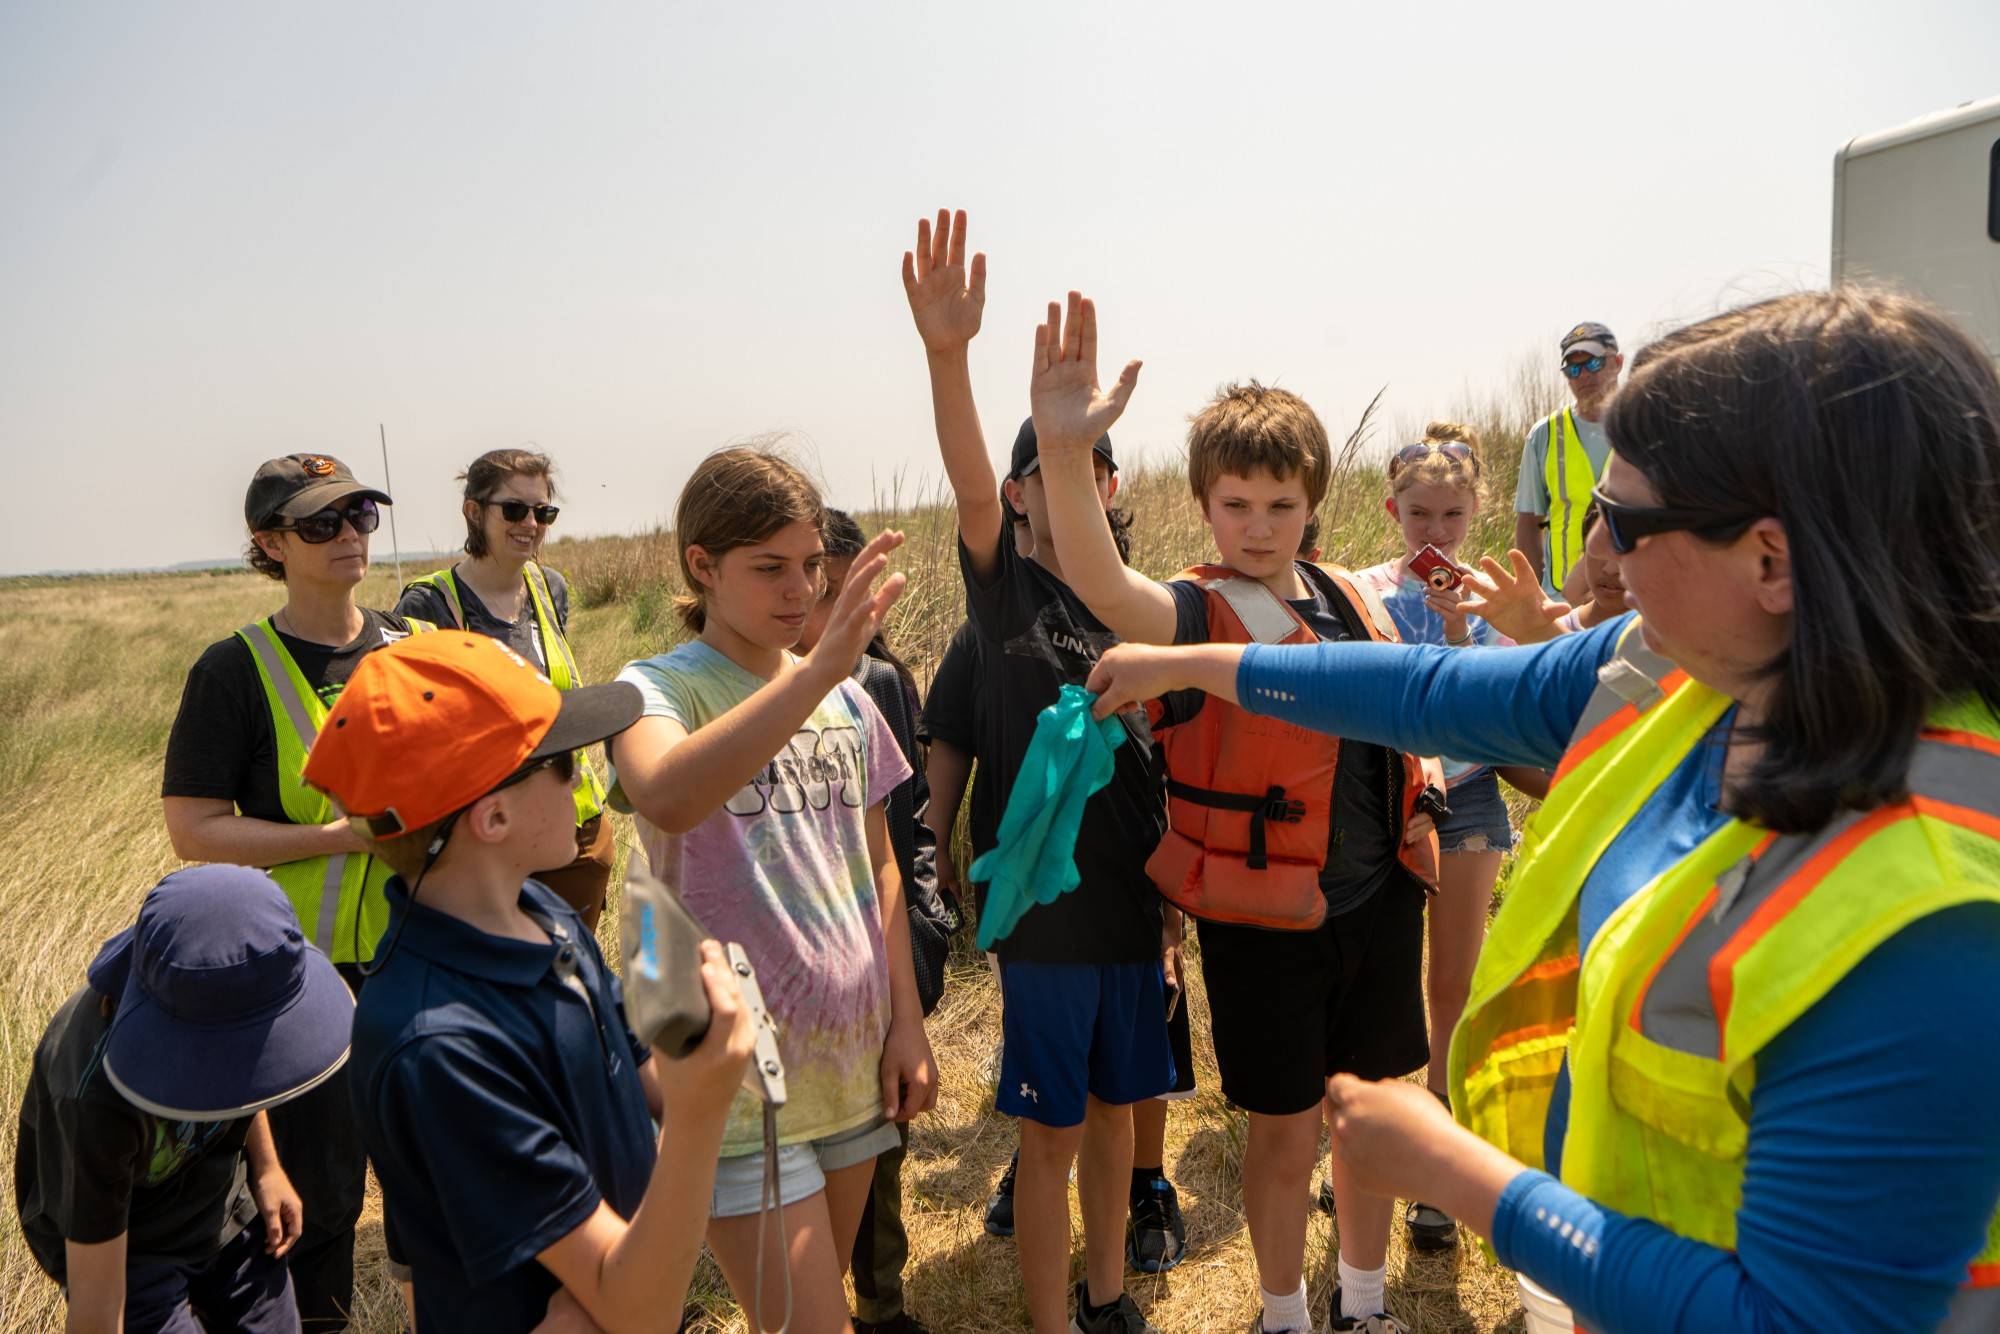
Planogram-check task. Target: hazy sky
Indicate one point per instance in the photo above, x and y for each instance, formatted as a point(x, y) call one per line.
point(631, 233)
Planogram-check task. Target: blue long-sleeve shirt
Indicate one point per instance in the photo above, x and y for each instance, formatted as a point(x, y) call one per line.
point(1873, 1163)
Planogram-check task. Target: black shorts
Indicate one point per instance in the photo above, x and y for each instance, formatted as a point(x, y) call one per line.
point(1289, 1009)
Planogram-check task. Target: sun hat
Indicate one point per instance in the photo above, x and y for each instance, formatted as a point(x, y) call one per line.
point(223, 1008)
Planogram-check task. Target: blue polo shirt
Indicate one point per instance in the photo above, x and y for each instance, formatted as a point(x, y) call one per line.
point(497, 1089)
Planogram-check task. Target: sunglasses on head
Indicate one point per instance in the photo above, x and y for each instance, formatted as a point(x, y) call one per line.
point(1625, 525)
point(1456, 450)
point(1573, 369)
point(325, 525)
point(513, 511)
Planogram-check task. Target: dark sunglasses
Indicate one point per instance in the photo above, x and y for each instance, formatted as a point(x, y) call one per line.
point(513, 511)
point(563, 762)
point(1573, 369)
point(1624, 525)
point(325, 525)
point(1423, 449)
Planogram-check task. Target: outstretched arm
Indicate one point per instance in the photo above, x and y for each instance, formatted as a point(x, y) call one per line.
point(677, 779)
point(1071, 414)
point(947, 300)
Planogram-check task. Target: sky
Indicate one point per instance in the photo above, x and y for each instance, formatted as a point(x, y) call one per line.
point(631, 234)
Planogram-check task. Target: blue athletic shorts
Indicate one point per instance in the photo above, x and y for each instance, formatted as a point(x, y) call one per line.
point(1071, 1031)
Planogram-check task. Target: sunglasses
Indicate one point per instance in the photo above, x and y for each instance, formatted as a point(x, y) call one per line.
point(325, 525)
point(1573, 369)
point(513, 511)
point(563, 762)
point(1456, 450)
point(1625, 525)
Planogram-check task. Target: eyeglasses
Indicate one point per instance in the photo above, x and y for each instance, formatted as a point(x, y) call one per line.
point(1573, 369)
point(513, 511)
point(1456, 450)
point(1625, 525)
point(325, 525)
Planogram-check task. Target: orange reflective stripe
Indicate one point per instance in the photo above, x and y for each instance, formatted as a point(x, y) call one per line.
point(1611, 727)
point(1722, 968)
point(1568, 963)
point(1528, 1034)
point(1955, 738)
point(1983, 1276)
point(1979, 822)
point(1646, 987)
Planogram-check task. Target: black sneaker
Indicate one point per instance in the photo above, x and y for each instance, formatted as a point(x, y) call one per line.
point(1379, 1323)
point(903, 1323)
point(1155, 1232)
point(1000, 1206)
point(1324, 1199)
point(1121, 1317)
point(1431, 1228)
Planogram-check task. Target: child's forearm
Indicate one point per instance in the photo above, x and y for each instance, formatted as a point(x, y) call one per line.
point(679, 787)
point(1131, 606)
point(259, 1148)
point(647, 1270)
point(962, 445)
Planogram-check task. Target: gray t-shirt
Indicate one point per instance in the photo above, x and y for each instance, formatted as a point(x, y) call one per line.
point(1531, 495)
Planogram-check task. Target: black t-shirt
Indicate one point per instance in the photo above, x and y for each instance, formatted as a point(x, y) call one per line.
point(1361, 856)
point(1035, 636)
point(953, 715)
point(523, 634)
point(222, 744)
point(88, 1165)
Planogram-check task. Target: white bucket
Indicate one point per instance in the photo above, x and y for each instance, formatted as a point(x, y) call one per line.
point(1546, 1313)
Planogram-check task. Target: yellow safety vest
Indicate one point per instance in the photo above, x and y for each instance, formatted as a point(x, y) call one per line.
point(563, 673)
point(338, 898)
point(1694, 975)
point(1569, 476)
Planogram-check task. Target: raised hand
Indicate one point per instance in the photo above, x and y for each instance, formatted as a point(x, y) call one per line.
point(944, 301)
point(858, 611)
point(1070, 410)
point(1512, 601)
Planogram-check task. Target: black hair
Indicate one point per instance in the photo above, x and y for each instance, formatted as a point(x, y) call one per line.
point(843, 539)
point(1869, 424)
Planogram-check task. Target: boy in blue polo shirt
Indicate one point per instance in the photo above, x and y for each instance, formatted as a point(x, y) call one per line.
point(506, 1104)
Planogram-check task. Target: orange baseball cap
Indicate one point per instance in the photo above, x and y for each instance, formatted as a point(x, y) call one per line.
point(429, 724)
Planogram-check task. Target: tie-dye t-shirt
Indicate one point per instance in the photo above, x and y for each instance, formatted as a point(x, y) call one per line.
point(783, 870)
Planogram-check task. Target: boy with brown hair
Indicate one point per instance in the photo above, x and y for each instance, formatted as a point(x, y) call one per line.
point(1305, 859)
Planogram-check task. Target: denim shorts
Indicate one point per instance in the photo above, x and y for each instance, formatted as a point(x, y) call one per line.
point(802, 1168)
point(1478, 820)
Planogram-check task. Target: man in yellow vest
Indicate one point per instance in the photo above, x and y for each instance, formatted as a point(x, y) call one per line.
point(253, 703)
point(1563, 457)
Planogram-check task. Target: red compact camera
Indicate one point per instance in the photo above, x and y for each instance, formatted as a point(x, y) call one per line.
point(1436, 569)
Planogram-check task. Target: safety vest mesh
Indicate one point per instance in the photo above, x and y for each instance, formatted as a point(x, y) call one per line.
point(1567, 473)
point(562, 668)
point(338, 898)
point(1696, 973)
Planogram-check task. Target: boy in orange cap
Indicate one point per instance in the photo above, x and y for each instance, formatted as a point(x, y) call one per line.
point(506, 1104)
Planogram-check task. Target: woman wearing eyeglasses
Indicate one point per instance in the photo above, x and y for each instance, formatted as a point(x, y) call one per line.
point(252, 705)
point(1726, 1059)
point(502, 590)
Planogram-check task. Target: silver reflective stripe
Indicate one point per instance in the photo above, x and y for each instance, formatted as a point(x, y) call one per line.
point(1632, 675)
point(273, 658)
point(1679, 1009)
point(1263, 613)
point(269, 654)
point(1973, 1311)
point(554, 646)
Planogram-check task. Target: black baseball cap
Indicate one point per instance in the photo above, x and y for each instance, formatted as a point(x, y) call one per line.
point(1591, 339)
point(297, 485)
point(1026, 460)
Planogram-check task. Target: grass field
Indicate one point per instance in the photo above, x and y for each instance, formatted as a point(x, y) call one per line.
point(90, 676)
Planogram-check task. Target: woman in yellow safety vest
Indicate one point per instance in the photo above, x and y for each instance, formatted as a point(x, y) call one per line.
point(252, 705)
point(1726, 1062)
point(502, 590)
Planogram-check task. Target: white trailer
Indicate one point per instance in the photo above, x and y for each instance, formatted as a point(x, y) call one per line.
point(1918, 208)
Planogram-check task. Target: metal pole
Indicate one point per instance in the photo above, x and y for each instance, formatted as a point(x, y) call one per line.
point(389, 486)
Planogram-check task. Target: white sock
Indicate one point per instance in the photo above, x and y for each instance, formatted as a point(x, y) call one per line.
point(1286, 1312)
point(1361, 1290)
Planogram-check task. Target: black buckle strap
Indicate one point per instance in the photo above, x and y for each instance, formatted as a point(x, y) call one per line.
point(1271, 805)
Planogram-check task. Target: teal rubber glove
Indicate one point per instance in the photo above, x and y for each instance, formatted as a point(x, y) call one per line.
point(1034, 860)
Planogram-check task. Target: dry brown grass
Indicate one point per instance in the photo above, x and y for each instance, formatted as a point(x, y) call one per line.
point(90, 677)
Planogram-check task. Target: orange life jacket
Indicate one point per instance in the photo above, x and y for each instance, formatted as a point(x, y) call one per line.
point(1250, 798)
